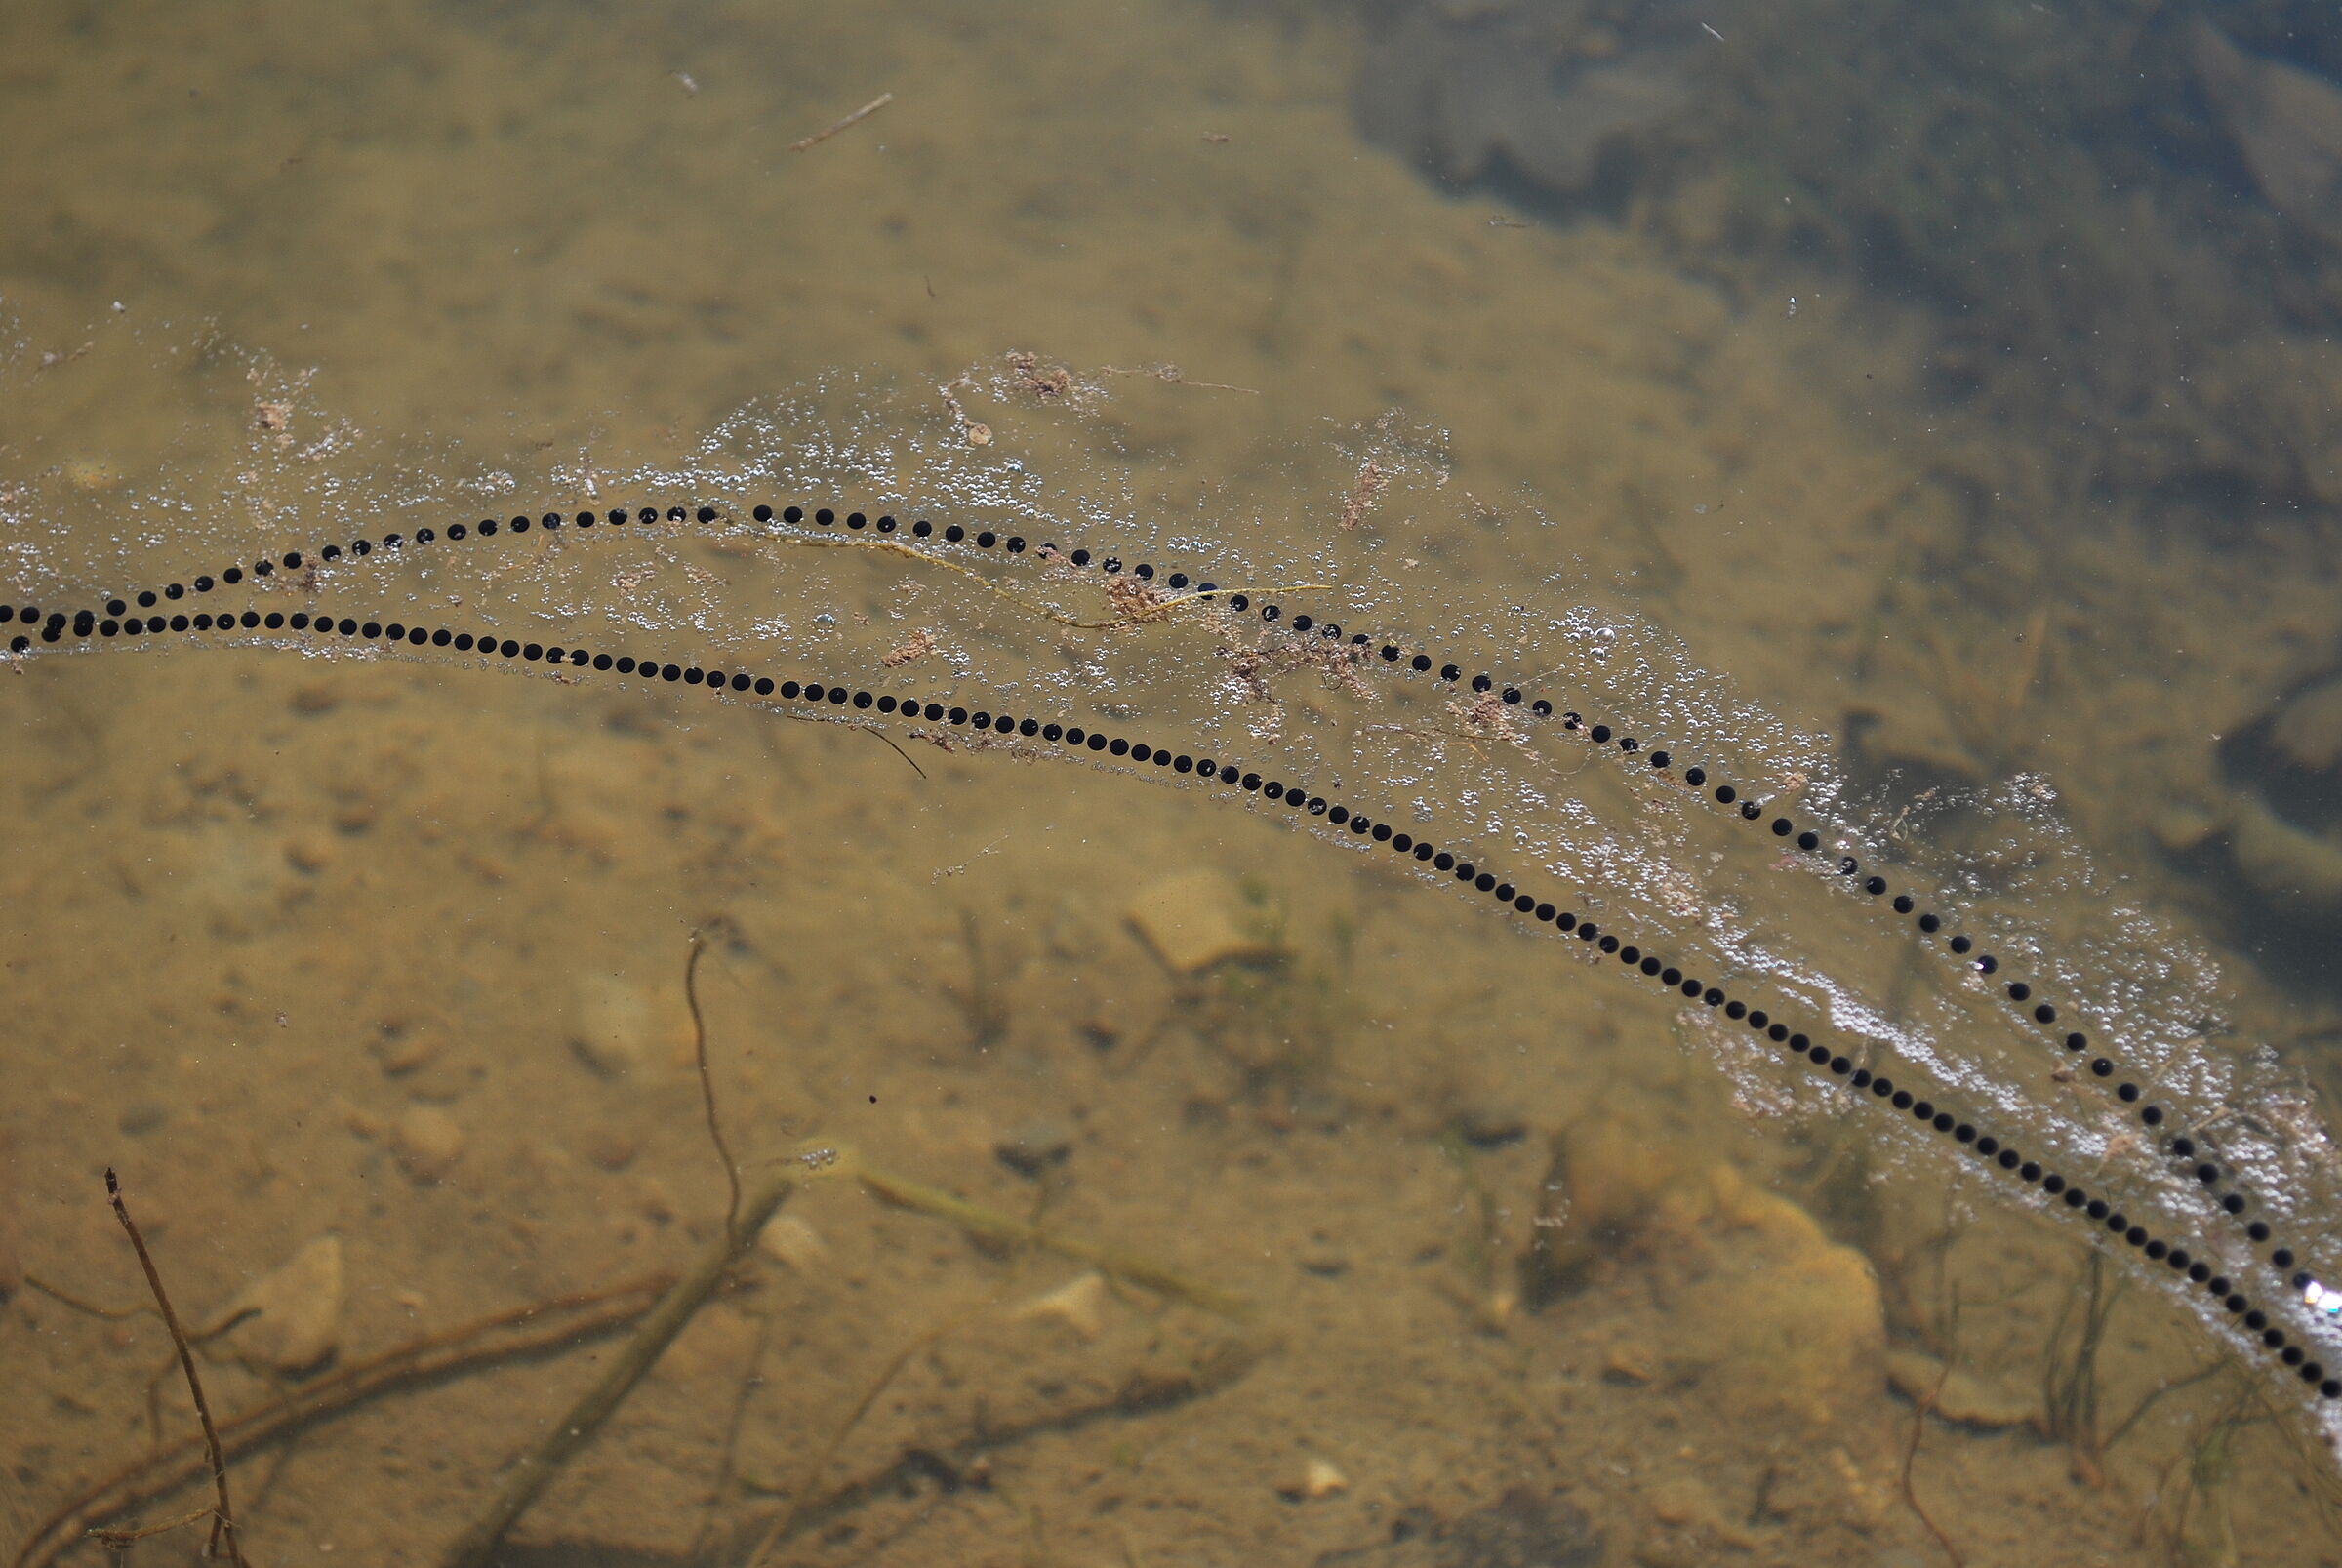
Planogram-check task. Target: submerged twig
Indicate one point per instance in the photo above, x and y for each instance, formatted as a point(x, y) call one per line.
point(984, 1001)
point(2148, 1401)
point(488, 1342)
point(224, 1515)
point(728, 1470)
point(699, 1055)
point(2069, 1392)
point(1113, 1262)
point(786, 1519)
point(1139, 1393)
point(872, 729)
point(66, 1297)
point(582, 1421)
point(855, 118)
point(1911, 1457)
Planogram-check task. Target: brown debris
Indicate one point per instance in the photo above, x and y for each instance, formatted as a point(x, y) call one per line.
point(1490, 718)
point(973, 431)
point(1134, 598)
point(1364, 493)
point(1045, 380)
point(1177, 377)
point(830, 130)
point(1253, 668)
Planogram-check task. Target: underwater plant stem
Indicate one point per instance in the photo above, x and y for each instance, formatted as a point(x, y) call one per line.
point(1113, 1262)
point(434, 1358)
point(787, 1520)
point(1911, 1455)
point(223, 1514)
point(582, 1421)
point(2071, 1403)
point(699, 1055)
point(830, 130)
point(728, 1472)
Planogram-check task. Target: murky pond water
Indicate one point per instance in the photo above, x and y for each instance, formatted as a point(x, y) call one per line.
point(1237, 1086)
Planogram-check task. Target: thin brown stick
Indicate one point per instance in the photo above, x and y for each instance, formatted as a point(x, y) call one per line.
point(112, 1314)
point(1910, 1453)
point(728, 1470)
point(489, 1342)
point(872, 729)
point(1141, 1393)
point(786, 1521)
point(223, 1514)
point(578, 1425)
point(699, 1054)
point(979, 1221)
point(116, 1539)
point(855, 118)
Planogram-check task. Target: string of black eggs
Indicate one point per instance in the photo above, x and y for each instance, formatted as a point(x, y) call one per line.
point(2020, 994)
point(118, 620)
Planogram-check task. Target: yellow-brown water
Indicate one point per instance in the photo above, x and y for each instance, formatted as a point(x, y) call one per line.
point(395, 954)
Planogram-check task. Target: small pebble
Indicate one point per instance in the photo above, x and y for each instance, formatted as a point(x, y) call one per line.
point(1319, 1479)
point(1961, 1395)
point(623, 1028)
point(402, 1045)
point(1079, 1305)
point(1626, 1363)
point(790, 1240)
point(1686, 1503)
point(610, 1148)
point(289, 1320)
point(2308, 729)
point(1034, 1147)
point(1196, 919)
point(654, 1201)
point(1487, 1126)
point(1681, 1501)
point(308, 852)
point(428, 1142)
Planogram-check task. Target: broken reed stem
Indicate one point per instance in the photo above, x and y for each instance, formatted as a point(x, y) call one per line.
point(699, 1054)
point(830, 130)
point(1111, 1261)
point(224, 1515)
point(535, 1470)
point(919, 1459)
point(728, 1470)
point(2071, 1403)
point(434, 1359)
point(2148, 1402)
point(786, 1519)
point(1911, 1457)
